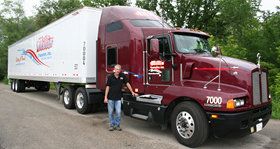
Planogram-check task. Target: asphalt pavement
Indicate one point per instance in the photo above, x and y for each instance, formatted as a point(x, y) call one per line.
point(39, 120)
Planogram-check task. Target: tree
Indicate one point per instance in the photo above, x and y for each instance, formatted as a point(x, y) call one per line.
point(13, 26)
point(183, 13)
point(50, 10)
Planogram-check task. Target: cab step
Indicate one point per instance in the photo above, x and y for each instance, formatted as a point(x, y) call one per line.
point(140, 116)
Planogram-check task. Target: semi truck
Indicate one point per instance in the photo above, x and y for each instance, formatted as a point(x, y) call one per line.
point(182, 82)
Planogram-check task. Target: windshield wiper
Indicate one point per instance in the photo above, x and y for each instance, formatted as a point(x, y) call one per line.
point(199, 51)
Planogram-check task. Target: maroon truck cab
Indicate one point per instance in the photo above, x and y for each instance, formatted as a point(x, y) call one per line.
point(179, 80)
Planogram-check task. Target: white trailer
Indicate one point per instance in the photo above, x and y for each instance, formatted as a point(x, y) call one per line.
point(63, 52)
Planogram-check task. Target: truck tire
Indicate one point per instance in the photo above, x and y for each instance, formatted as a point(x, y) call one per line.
point(189, 124)
point(68, 97)
point(81, 101)
point(13, 85)
point(16, 85)
point(19, 86)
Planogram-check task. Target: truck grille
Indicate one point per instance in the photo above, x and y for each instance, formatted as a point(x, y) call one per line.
point(260, 94)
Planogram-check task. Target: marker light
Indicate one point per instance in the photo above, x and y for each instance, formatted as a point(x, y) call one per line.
point(230, 104)
point(214, 116)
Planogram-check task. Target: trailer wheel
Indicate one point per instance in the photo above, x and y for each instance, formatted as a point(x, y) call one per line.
point(13, 85)
point(68, 97)
point(189, 124)
point(19, 86)
point(81, 101)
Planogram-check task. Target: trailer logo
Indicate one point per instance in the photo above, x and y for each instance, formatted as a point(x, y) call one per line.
point(44, 43)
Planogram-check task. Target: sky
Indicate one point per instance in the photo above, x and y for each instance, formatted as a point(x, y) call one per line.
point(29, 5)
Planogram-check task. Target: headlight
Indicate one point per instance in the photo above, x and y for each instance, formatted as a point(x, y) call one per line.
point(239, 102)
point(235, 103)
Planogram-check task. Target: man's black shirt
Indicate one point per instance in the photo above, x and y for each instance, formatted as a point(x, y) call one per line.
point(115, 84)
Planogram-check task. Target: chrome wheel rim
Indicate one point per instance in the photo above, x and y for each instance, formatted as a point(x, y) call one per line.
point(80, 100)
point(66, 97)
point(16, 86)
point(13, 85)
point(185, 125)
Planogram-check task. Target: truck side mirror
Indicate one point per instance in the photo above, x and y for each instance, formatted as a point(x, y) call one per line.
point(216, 51)
point(154, 47)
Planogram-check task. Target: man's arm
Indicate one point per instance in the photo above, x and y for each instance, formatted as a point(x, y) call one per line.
point(130, 89)
point(106, 94)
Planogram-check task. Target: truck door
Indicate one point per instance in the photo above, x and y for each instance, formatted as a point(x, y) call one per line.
point(159, 63)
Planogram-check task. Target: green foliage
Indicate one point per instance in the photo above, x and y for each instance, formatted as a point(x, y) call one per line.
point(13, 26)
point(276, 88)
point(276, 109)
point(52, 86)
point(183, 13)
point(50, 10)
point(5, 80)
point(230, 47)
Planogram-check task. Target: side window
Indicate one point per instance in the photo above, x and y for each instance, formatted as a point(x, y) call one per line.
point(111, 57)
point(164, 49)
point(165, 76)
point(114, 26)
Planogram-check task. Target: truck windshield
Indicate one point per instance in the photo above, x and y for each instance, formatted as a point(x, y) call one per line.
point(147, 23)
point(191, 44)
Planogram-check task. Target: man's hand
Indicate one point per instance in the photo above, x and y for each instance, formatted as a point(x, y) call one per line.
point(106, 94)
point(134, 94)
point(105, 99)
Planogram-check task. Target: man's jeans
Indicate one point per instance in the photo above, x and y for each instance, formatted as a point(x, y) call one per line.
point(115, 120)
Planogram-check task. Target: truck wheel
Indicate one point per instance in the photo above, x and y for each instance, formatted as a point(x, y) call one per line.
point(16, 86)
point(13, 85)
point(81, 101)
point(21, 85)
point(68, 97)
point(189, 124)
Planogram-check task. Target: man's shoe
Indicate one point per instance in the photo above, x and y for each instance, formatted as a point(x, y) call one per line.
point(118, 128)
point(111, 128)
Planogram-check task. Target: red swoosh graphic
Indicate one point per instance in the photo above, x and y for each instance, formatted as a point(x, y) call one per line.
point(211, 69)
point(217, 69)
point(35, 57)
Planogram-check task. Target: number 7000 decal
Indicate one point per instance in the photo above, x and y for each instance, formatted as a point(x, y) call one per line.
point(213, 101)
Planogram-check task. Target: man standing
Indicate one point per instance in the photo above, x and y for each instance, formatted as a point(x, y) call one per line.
point(113, 95)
